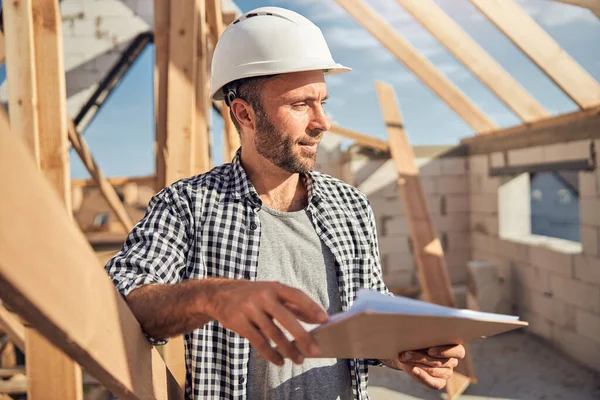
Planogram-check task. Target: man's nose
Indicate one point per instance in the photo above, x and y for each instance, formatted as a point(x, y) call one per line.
point(319, 120)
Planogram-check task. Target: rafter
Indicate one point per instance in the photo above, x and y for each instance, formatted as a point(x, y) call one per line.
point(419, 65)
point(526, 34)
point(475, 58)
point(361, 138)
point(593, 5)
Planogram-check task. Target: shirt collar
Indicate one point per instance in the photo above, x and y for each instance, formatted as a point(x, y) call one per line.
point(240, 186)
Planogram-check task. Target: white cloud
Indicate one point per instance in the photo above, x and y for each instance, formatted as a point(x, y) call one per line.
point(553, 14)
point(453, 71)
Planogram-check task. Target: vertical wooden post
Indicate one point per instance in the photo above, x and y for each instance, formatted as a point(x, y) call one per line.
point(177, 26)
point(428, 252)
point(231, 141)
point(202, 147)
point(51, 374)
point(2, 48)
point(161, 54)
point(20, 71)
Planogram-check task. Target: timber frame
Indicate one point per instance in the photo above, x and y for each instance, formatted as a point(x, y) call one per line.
point(105, 339)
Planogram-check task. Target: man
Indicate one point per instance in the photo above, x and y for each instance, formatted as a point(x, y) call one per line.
point(247, 253)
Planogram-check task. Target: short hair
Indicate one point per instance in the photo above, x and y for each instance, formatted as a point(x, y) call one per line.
point(249, 90)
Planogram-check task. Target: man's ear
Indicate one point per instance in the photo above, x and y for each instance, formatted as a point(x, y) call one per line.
point(243, 113)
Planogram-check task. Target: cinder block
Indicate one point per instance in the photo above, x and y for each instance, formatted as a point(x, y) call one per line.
point(578, 346)
point(589, 210)
point(453, 165)
point(556, 310)
point(434, 203)
point(454, 222)
point(480, 241)
point(497, 160)
point(456, 203)
point(432, 167)
point(513, 250)
point(477, 222)
point(458, 241)
point(588, 184)
point(475, 183)
point(530, 155)
point(393, 244)
point(537, 324)
point(396, 226)
point(576, 292)
point(587, 269)
point(590, 239)
point(566, 151)
point(453, 184)
point(385, 207)
point(429, 184)
point(399, 279)
point(484, 202)
point(547, 259)
point(588, 324)
point(478, 165)
point(491, 224)
point(398, 261)
point(530, 278)
point(490, 185)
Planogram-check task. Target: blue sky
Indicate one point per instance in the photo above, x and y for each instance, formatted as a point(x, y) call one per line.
point(122, 134)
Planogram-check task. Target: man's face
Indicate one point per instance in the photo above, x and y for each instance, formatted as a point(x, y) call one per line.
point(291, 121)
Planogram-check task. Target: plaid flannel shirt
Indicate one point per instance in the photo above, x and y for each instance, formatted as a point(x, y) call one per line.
point(208, 226)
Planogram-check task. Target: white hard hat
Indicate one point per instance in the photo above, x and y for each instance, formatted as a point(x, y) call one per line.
point(269, 41)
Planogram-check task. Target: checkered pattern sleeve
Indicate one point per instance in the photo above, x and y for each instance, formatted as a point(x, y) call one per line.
point(155, 250)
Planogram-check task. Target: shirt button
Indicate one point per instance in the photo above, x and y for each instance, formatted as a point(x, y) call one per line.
point(253, 226)
point(242, 380)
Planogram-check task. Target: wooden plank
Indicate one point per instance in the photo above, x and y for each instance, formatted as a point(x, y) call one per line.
point(2, 48)
point(90, 321)
point(9, 372)
point(174, 356)
point(116, 181)
point(361, 138)
point(419, 65)
point(12, 326)
point(161, 54)
point(475, 58)
point(52, 94)
point(427, 248)
point(214, 17)
point(526, 34)
point(181, 87)
point(593, 5)
point(20, 72)
point(231, 139)
point(578, 125)
point(107, 190)
point(202, 147)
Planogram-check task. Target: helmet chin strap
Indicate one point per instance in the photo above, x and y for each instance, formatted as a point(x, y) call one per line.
point(230, 96)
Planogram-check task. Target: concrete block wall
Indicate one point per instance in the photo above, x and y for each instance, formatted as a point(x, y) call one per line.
point(553, 284)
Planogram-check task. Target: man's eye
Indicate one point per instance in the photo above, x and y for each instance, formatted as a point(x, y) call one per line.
point(300, 105)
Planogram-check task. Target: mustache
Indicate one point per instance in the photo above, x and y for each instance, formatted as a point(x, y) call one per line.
point(313, 135)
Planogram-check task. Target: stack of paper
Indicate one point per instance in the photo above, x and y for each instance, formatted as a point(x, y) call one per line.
point(381, 326)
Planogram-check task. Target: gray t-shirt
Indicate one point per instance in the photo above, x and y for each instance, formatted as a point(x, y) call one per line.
point(292, 253)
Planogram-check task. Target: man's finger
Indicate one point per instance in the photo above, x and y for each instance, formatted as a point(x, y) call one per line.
point(306, 306)
point(291, 324)
point(428, 380)
point(451, 351)
point(441, 373)
point(422, 358)
point(262, 345)
point(269, 329)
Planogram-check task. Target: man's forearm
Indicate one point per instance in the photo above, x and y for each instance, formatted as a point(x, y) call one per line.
point(170, 310)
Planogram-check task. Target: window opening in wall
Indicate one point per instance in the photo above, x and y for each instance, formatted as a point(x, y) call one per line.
point(101, 219)
point(555, 204)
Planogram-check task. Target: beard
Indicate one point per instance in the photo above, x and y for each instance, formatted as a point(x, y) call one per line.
point(281, 150)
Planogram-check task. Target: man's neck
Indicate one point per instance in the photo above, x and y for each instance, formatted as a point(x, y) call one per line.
point(277, 188)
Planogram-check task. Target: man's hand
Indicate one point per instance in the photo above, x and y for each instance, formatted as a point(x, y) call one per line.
point(250, 308)
point(431, 367)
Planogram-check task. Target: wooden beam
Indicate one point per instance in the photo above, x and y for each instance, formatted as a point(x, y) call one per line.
point(81, 313)
point(116, 181)
point(592, 5)
point(419, 65)
point(51, 374)
point(161, 45)
point(578, 125)
point(181, 86)
point(361, 138)
point(105, 187)
point(2, 48)
point(13, 327)
point(231, 139)
point(526, 34)
point(228, 18)
point(9, 372)
point(214, 18)
point(428, 252)
point(475, 58)
point(202, 147)
point(20, 72)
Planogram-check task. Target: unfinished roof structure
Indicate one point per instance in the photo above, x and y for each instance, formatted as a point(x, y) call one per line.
point(449, 226)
